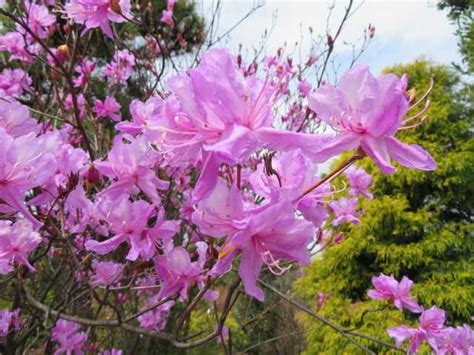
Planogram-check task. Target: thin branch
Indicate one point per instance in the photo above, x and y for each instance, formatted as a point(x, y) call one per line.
point(338, 329)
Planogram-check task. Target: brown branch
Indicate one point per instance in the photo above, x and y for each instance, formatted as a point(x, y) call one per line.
point(331, 45)
point(138, 330)
point(342, 331)
point(331, 176)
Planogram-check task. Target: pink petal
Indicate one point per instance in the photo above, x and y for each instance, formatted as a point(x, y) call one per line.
point(208, 178)
point(106, 246)
point(249, 269)
point(377, 150)
point(411, 156)
point(235, 145)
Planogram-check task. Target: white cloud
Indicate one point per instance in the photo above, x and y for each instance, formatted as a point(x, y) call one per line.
point(415, 27)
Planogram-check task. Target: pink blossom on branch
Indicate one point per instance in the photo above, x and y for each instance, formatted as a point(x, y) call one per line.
point(19, 49)
point(120, 68)
point(212, 116)
point(67, 334)
point(108, 108)
point(15, 119)
point(387, 288)
point(176, 272)
point(25, 162)
point(98, 13)
point(344, 210)
point(264, 235)
point(458, 341)
point(156, 318)
point(167, 17)
point(17, 241)
point(431, 325)
point(292, 173)
point(9, 321)
point(38, 20)
point(84, 71)
point(14, 83)
point(359, 182)
point(130, 166)
point(367, 112)
point(106, 273)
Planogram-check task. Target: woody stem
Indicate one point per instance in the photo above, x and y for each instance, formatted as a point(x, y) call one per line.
point(332, 175)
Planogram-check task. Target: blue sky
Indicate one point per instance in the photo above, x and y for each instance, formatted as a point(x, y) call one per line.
point(405, 29)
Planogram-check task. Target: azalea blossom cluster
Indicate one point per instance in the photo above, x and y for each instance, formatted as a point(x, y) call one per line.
point(431, 328)
point(155, 203)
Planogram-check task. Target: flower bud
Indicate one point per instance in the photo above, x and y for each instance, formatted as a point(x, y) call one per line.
point(92, 175)
point(115, 6)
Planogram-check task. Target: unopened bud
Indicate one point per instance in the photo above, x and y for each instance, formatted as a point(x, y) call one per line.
point(92, 175)
point(63, 52)
point(115, 6)
point(371, 31)
point(330, 42)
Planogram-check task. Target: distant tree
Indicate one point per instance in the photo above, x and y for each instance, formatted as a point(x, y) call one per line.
point(461, 13)
point(419, 225)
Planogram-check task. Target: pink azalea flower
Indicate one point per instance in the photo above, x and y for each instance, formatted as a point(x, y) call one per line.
point(344, 210)
point(212, 116)
point(367, 112)
point(25, 162)
point(106, 273)
point(304, 88)
point(67, 334)
point(13, 83)
point(141, 112)
point(121, 67)
point(156, 318)
point(81, 212)
point(15, 119)
point(167, 17)
point(17, 240)
point(170, 4)
point(176, 272)
point(272, 234)
point(430, 327)
point(38, 19)
point(108, 108)
point(293, 174)
point(264, 235)
point(322, 298)
point(222, 212)
point(9, 320)
point(360, 181)
point(14, 43)
point(456, 341)
point(131, 165)
point(81, 105)
point(84, 71)
point(387, 288)
point(128, 222)
point(98, 13)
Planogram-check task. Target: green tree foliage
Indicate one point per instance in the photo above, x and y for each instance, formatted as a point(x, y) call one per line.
point(461, 13)
point(420, 224)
